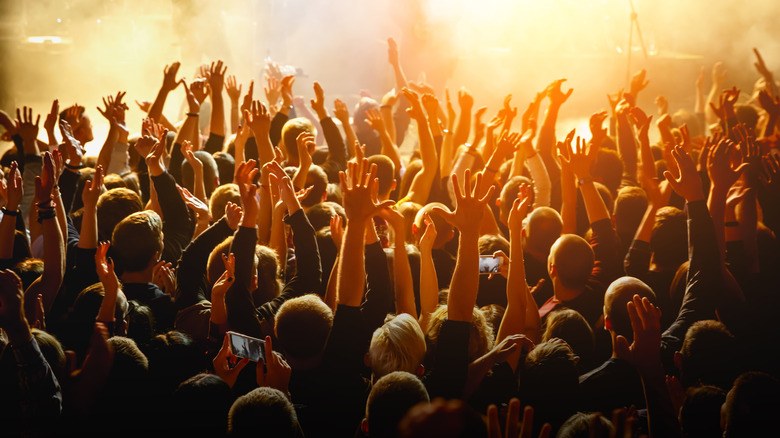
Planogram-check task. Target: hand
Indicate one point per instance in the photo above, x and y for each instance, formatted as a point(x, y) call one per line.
point(392, 53)
point(520, 208)
point(341, 112)
point(245, 175)
point(337, 230)
point(26, 129)
point(286, 190)
point(415, 110)
point(645, 351)
point(233, 89)
point(718, 75)
point(479, 125)
point(305, 145)
point(198, 207)
point(469, 203)
point(9, 125)
point(750, 152)
point(154, 159)
point(641, 121)
point(193, 103)
point(638, 83)
point(760, 66)
point(104, 267)
point(719, 166)
point(513, 422)
point(510, 344)
point(579, 161)
point(394, 218)
point(226, 364)
point(13, 188)
point(187, 150)
point(51, 118)
point(45, 183)
point(92, 190)
point(431, 105)
point(216, 77)
point(390, 98)
point(503, 269)
point(169, 77)
point(12, 317)
point(687, 183)
point(375, 121)
point(258, 119)
point(770, 177)
point(662, 104)
point(509, 112)
point(700, 78)
point(273, 372)
point(232, 215)
point(613, 100)
point(144, 105)
point(359, 186)
point(227, 278)
point(287, 93)
point(465, 100)
point(727, 101)
point(164, 276)
point(771, 105)
point(273, 90)
point(246, 105)
point(507, 144)
point(554, 93)
point(74, 151)
point(318, 103)
point(429, 235)
point(596, 125)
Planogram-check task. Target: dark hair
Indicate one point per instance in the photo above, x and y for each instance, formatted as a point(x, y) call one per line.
point(201, 405)
point(385, 172)
point(390, 398)
point(210, 172)
point(630, 206)
point(669, 238)
point(226, 164)
point(708, 355)
point(751, 406)
point(319, 214)
point(700, 412)
point(317, 179)
point(572, 327)
point(136, 239)
point(579, 426)
point(609, 168)
point(265, 410)
point(113, 206)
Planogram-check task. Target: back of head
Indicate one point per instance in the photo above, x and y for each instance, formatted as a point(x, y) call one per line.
point(219, 199)
point(700, 412)
point(669, 239)
point(268, 270)
point(201, 405)
point(748, 115)
point(543, 229)
point(751, 406)
point(290, 132)
point(571, 326)
point(409, 211)
point(226, 164)
point(173, 358)
point(399, 345)
point(385, 172)
point(618, 294)
point(215, 266)
point(480, 340)
point(136, 240)
point(52, 351)
point(263, 412)
point(580, 424)
point(630, 206)
point(442, 418)
point(113, 206)
point(28, 271)
point(609, 169)
point(317, 179)
point(319, 214)
point(302, 326)
point(390, 398)
point(708, 355)
point(573, 260)
point(509, 194)
point(210, 172)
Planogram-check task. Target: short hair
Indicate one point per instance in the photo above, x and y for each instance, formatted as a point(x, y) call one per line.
point(215, 266)
point(268, 270)
point(669, 238)
point(747, 114)
point(263, 411)
point(573, 259)
point(390, 398)
point(398, 345)
point(319, 214)
point(28, 271)
point(201, 405)
point(317, 179)
point(140, 323)
point(549, 381)
point(490, 243)
point(173, 358)
point(52, 351)
point(579, 426)
point(210, 172)
point(409, 211)
point(509, 194)
point(114, 181)
point(219, 199)
point(544, 227)
point(136, 239)
point(226, 165)
point(334, 193)
point(570, 326)
point(708, 355)
point(129, 360)
point(609, 168)
point(113, 206)
point(700, 411)
point(618, 294)
point(630, 207)
point(385, 172)
point(303, 326)
point(290, 132)
point(751, 406)
point(481, 338)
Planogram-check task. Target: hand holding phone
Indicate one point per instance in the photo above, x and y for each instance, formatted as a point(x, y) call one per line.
point(246, 346)
point(489, 264)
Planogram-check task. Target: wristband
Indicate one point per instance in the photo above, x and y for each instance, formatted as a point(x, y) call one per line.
point(193, 114)
point(45, 204)
point(46, 213)
point(731, 224)
point(8, 212)
point(73, 167)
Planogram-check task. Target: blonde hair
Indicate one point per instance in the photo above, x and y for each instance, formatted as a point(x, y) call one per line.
point(481, 339)
point(399, 345)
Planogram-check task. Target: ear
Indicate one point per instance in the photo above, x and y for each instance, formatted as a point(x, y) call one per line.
point(393, 185)
point(678, 360)
point(216, 181)
point(414, 229)
point(420, 370)
point(607, 323)
point(498, 202)
point(254, 281)
point(324, 196)
point(523, 233)
point(364, 426)
point(367, 360)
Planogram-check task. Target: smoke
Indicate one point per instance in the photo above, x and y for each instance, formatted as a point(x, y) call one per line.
point(490, 47)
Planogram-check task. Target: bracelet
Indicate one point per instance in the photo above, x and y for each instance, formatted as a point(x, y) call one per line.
point(193, 114)
point(46, 213)
point(731, 224)
point(45, 204)
point(8, 212)
point(73, 167)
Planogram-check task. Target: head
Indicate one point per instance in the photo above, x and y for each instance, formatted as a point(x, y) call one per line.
point(215, 266)
point(542, 230)
point(113, 206)
point(579, 426)
point(406, 180)
point(618, 294)
point(608, 169)
point(571, 326)
point(173, 358)
point(137, 241)
point(570, 261)
point(444, 231)
point(748, 115)
point(263, 411)
point(409, 211)
point(319, 215)
point(509, 194)
point(226, 164)
point(708, 355)
point(630, 206)
point(28, 271)
point(385, 172)
point(317, 179)
point(290, 132)
point(219, 199)
point(390, 398)
point(700, 413)
point(480, 339)
point(52, 351)
point(210, 173)
point(669, 239)
point(751, 406)
point(268, 274)
point(399, 345)
point(201, 405)
point(302, 326)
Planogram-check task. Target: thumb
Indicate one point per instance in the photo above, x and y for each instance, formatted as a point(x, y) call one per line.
point(741, 168)
point(672, 182)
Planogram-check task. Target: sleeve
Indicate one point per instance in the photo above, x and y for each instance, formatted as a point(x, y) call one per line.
point(41, 395)
point(379, 299)
point(337, 150)
point(240, 307)
point(32, 168)
point(607, 266)
point(451, 360)
point(119, 159)
point(250, 149)
point(277, 123)
point(308, 272)
point(637, 261)
point(177, 225)
point(541, 180)
point(348, 342)
point(215, 143)
point(174, 165)
point(68, 182)
point(191, 281)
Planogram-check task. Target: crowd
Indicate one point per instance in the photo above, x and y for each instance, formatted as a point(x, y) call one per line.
point(634, 292)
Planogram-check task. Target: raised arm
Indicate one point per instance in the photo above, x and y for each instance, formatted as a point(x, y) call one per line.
point(216, 81)
point(13, 191)
point(342, 113)
point(169, 84)
point(402, 272)
point(88, 238)
point(422, 182)
point(429, 282)
point(233, 90)
point(389, 149)
point(722, 177)
point(466, 103)
point(545, 143)
point(259, 120)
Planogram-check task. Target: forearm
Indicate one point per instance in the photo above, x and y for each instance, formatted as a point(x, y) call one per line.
point(352, 271)
point(278, 241)
point(217, 119)
point(627, 148)
point(389, 121)
point(712, 98)
point(349, 133)
point(429, 286)
point(542, 184)
point(156, 110)
point(330, 290)
point(390, 150)
point(53, 261)
point(594, 205)
point(513, 321)
point(465, 279)
point(7, 228)
point(463, 128)
point(445, 156)
point(716, 204)
point(265, 215)
point(104, 156)
point(568, 202)
point(88, 238)
point(402, 277)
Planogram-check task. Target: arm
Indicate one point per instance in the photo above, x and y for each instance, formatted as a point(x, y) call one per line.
point(626, 142)
point(402, 272)
point(337, 151)
point(466, 102)
point(446, 155)
point(305, 144)
point(722, 177)
point(389, 149)
point(422, 182)
point(545, 143)
point(13, 192)
point(342, 113)
point(233, 90)
point(88, 238)
point(429, 283)
point(718, 77)
point(698, 107)
point(568, 189)
point(107, 276)
point(169, 84)
point(259, 120)
point(216, 80)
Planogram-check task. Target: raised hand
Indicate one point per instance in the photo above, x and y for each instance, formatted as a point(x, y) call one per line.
point(374, 120)
point(638, 83)
point(469, 203)
point(250, 201)
point(685, 181)
point(613, 100)
point(259, 119)
point(392, 52)
point(46, 181)
point(507, 144)
point(27, 129)
point(415, 109)
point(520, 207)
point(233, 89)
point(580, 161)
point(13, 188)
point(662, 104)
point(286, 90)
point(273, 90)
point(341, 111)
point(771, 105)
point(188, 150)
point(216, 77)
point(555, 94)
point(596, 123)
point(718, 75)
point(51, 121)
point(273, 372)
point(390, 98)
point(431, 105)
point(645, 350)
point(719, 167)
point(154, 159)
point(169, 76)
point(92, 190)
point(514, 428)
point(318, 103)
point(200, 89)
point(337, 230)
point(359, 186)
point(193, 103)
point(727, 101)
point(104, 267)
point(465, 100)
point(760, 65)
point(246, 104)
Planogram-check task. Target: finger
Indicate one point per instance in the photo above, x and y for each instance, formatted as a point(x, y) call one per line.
point(528, 422)
point(494, 428)
point(512, 418)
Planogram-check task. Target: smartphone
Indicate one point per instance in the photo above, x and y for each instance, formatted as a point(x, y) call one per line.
point(247, 346)
point(489, 264)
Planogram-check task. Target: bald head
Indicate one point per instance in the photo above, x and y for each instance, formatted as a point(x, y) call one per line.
point(571, 259)
point(618, 294)
point(543, 229)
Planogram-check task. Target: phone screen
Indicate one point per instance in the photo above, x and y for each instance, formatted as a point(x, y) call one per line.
point(489, 264)
point(247, 346)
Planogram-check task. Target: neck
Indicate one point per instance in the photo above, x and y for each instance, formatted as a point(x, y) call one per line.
point(145, 276)
point(563, 293)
